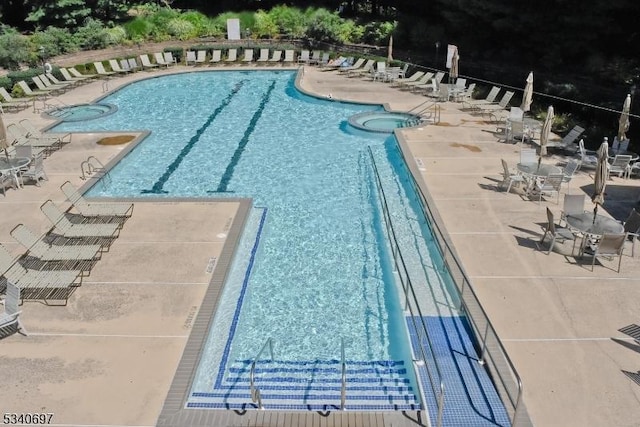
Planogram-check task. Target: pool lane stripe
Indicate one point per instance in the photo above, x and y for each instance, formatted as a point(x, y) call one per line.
point(158, 187)
point(228, 173)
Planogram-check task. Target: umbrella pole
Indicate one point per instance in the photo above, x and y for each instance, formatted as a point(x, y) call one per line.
point(595, 213)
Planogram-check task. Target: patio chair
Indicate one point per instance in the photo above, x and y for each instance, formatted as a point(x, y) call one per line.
point(289, 56)
point(569, 171)
point(557, 233)
point(124, 65)
point(115, 66)
point(75, 257)
point(146, 62)
point(28, 151)
point(190, 57)
point(528, 155)
point(6, 178)
point(573, 205)
point(508, 177)
point(232, 55)
point(64, 227)
point(586, 157)
point(493, 109)
point(304, 57)
point(59, 87)
point(474, 104)
point(324, 60)
point(160, 60)
point(35, 170)
point(380, 72)
point(10, 316)
point(621, 165)
point(632, 228)
point(610, 246)
point(38, 284)
point(315, 57)
point(248, 56)
point(201, 57)
point(568, 142)
point(133, 64)
point(549, 186)
point(51, 90)
point(264, 55)
point(169, 58)
point(275, 57)
point(216, 56)
point(124, 210)
point(10, 102)
point(101, 71)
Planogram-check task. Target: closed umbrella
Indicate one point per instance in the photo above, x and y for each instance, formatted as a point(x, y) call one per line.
point(600, 181)
point(546, 130)
point(390, 49)
point(527, 96)
point(623, 123)
point(453, 71)
point(4, 142)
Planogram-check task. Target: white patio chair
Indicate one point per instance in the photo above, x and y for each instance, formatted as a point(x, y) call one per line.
point(146, 62)
point(201, 57)
point(232, 55)
point(621, 165)
point(35, 170)
point(528, 156)
point(509, 177)
point(569, 171)
point(549, 186)
point(10, 315)
point(190, 57)
point(573, 205)
point(556, 232)
point(609, 246)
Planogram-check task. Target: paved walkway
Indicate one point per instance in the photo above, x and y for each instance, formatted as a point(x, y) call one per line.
point(109, 356)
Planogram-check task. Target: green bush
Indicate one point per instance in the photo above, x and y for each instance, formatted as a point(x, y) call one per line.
point(14, 50)
point(181, 29)
point(92, 35)
point(6, 83)
point(377, 33)
point(265, 26)
point(324, 26)
point(139, 29)
point(116, 35)
point(25, 75)
point(290, 20)
point(350, 32)
point(55, 41)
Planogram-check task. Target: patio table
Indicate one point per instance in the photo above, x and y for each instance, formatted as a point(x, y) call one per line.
point(593, 227)
point(12, 165)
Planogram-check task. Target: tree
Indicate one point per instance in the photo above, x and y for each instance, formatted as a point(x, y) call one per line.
point(58, 13)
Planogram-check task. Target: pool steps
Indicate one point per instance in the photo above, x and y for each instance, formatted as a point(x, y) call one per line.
point(377, 385)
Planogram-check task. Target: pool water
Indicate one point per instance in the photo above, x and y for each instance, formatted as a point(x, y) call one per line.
point(313, 268)
point(81, 112)
point(384, 121)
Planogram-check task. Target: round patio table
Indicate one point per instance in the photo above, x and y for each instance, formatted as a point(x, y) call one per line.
point(593, 227)
point(12, 165)
point(538, 170)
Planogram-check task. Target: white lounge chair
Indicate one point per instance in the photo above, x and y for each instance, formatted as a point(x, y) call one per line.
point(190, 57)
point(146, 62)
point(75, 73)
point(52, 90)
point(133, 64)
point(248, 56)
point(50, 139)
point(356, 66)
point(10, 315)
point(115, 66)
point(289, 56)
point(232, 55)
point(304, 57)
point(64, 227)
point(160, 59)
point(101, 70)
point(11, 102)
point(276, 57)
point(169, 59)
point(568, 142)
point(95, 209)
point(33, 93)
point(216, 55)
point(264, 55)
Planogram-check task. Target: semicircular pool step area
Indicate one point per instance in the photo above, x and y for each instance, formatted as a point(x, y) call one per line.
point(314, 385)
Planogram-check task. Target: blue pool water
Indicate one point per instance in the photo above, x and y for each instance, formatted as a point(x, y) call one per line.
point(313, 268)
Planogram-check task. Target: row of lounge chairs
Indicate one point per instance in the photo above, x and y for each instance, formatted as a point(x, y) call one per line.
point(55, 263)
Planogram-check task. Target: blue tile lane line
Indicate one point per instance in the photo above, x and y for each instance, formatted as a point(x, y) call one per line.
point(159, 184)
point(243, 291)
point(470, 396)
point(320, 370)
point(272, 387)
point(228, 173)
point(376, 380)
point(309, 407)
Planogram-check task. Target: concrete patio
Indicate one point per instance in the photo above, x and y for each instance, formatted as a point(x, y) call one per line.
point(109, 357)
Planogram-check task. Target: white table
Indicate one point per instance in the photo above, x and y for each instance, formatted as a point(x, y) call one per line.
point(12, 166)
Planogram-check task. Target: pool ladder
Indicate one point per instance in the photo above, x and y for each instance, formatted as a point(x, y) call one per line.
point(94, 166)
point(428, 110)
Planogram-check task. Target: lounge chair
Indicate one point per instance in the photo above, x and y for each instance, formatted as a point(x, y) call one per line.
point(161, 59)
point(10, 316)
point(10, 102)
point(52, 90)
point(493, 111)
point(146, 62)
point(316, 57)
point(366, 69)
point(64, 227)
point(18, 136)
point(86, 209)
point(133, 65)
point(475, 104)
point(216, 55)
point(32, 93)
point(32, 132)
point(324, 60)
point(76, 73)
point(356, 66)
point(334, 64)
point(420, 84)
point(568, 142)
point(264, 55)
point(412, 78)
point(276, 57)
point(101, 71)
point(190, 57)
point(586, 157)
point(40, 284)
point(76, 257)
point(248, 56)
point(289, 56)
point(304, 57)
point(71, 79)
point(124, 65)
point(621, 165)
point(201, 57)
point(232, 55)
point(50, 82)
point(169, 59)
point(115, 66)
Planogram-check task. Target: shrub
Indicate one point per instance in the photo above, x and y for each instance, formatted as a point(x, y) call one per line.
point(139, 29)
point(25, 75)
point(324, 26)
point(350, 32)
point(6, 83)
point(181, 29)
point(290, 20)
point(116, 35)
point(265, 26)
point(55, 41)
point(14, 49)
point(377, 33)
point(92, 35)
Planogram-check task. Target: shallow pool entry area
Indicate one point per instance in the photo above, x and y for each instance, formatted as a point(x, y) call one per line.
point(81, 112)
point(384, 121)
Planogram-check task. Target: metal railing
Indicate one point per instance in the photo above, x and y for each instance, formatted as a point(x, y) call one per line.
point(435, 378)
point(256, 397)
point(93, 165)
point(492, 352)
point(343, 390)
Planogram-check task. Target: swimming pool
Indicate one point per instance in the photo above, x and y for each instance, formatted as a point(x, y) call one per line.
point(313, 269)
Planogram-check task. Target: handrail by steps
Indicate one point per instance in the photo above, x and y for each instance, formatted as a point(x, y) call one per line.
point(256, 397)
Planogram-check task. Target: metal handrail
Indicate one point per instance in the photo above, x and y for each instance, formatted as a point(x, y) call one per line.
point(408, 288)
point(444, 248)
point(256, 397)
point(343, 393)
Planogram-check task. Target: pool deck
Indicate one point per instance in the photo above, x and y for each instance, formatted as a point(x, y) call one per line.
point(109, 357)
